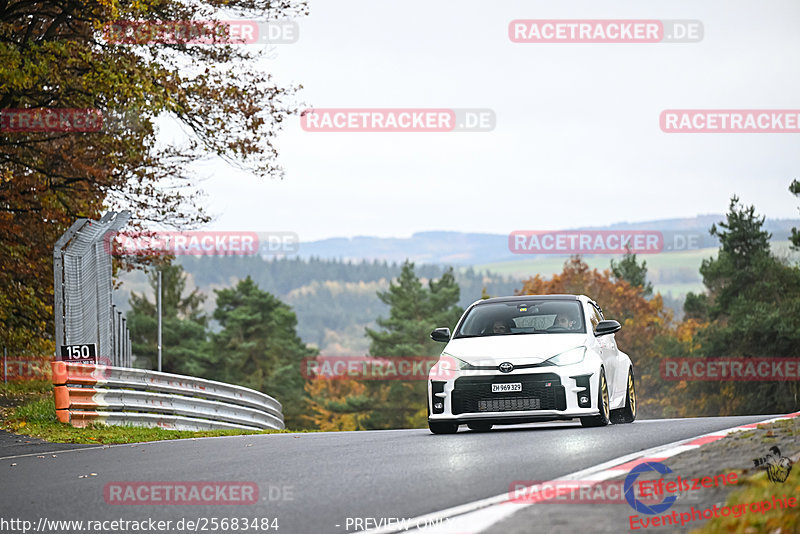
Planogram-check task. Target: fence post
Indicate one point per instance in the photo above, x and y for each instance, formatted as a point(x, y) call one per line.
point(128, 350)
point(121, 343)
point(159, 320)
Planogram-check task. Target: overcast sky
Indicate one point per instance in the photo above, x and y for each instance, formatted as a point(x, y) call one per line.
point(577, 140)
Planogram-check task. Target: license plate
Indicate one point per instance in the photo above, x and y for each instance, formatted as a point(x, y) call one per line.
point(504, 388)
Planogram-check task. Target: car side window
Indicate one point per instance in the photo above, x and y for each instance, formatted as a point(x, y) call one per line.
point(594, 317)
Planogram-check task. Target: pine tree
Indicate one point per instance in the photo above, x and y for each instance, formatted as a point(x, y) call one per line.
point(633, 273)
point(753, 302)
point(183, 324)
point(794, 189)
point(414, 312)
point(258, 347)
point(744, 254)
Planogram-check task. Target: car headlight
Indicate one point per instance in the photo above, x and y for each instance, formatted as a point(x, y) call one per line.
point(447, 367)
point(458, 363)
point(570, 357)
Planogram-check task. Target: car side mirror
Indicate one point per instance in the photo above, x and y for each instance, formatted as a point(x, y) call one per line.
point(441, 334)
point(607, 327)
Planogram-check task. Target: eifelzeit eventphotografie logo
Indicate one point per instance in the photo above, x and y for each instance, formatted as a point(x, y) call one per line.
point(778, 467)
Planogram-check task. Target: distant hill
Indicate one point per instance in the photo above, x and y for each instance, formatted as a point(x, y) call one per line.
point(457, 248)
point(332, 283)
point(334, 300)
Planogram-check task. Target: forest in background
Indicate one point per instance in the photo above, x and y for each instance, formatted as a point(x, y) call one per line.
point(749, 308)
point(334, 300)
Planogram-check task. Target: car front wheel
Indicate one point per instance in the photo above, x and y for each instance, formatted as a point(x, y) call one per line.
point(602, 418)
point(627, 414)
point(442, 427)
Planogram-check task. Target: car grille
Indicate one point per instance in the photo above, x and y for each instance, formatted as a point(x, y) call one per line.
point(473, 394)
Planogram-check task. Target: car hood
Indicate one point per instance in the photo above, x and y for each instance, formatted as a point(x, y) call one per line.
point(532, 348)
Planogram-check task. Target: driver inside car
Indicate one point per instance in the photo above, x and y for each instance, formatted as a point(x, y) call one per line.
point(564, 321)
point(499, 327)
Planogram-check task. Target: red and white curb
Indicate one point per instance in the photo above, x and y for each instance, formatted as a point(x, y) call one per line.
point(479, 515)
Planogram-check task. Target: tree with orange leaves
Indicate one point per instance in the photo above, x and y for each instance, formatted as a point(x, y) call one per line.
point(337, 405)
point(645, 323)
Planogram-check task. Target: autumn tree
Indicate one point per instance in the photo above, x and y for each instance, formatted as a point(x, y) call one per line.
point(56, 55)
point(644, 321)
point(337, 405)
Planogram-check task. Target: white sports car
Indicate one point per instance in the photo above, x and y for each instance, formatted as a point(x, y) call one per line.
point(527, 359)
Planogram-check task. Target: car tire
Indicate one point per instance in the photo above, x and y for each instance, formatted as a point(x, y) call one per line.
point(627, 414)
point(480, 427)
point(602, 419)
point(442, 427)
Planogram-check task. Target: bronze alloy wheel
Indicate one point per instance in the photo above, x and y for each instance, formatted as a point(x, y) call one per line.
point(631, 395)
point(627, 414)
point(604, 392)
point(603, 418)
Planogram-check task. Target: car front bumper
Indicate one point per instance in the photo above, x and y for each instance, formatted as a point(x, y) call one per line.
point(547, 393)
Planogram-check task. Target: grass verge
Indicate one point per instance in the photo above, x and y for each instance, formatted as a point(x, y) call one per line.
point(30, 411)
point(759, 489)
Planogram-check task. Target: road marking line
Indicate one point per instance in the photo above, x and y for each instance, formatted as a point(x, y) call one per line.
point(90, 447)
point(52, 452)
point(479, 515)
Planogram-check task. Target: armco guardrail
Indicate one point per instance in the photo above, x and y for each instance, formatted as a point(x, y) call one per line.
point(119, 395)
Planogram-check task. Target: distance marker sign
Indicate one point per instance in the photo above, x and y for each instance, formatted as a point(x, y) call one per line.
point(81, 353)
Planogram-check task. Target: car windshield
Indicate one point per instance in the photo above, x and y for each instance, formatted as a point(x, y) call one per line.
point(521, 317)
